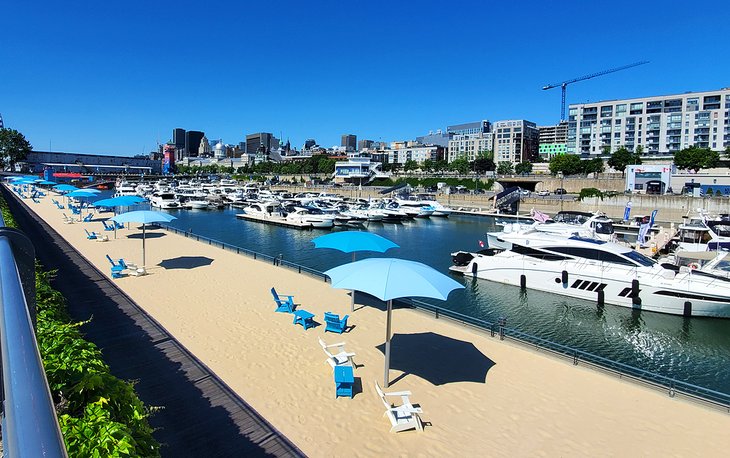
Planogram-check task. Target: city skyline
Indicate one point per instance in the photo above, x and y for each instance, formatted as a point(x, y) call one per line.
point(116, 79)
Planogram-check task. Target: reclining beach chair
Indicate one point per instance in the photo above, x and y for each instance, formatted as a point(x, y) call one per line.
point(117, 269)
point(121, 225)
point(108, 227)
point(401, 417)
point(90, 235)
point(88, 217)
point(68, 220)
point(341, 358)
point(285, 306)
point(334, 323)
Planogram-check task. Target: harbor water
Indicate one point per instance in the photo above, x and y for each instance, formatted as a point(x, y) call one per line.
point(693, 350)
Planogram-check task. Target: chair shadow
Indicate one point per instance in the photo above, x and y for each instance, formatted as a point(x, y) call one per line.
point(356, 386)
point(185, 262)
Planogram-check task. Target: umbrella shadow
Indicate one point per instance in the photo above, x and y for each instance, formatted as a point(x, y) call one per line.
point(148, 235)
point(366, 300)
point(437, 358)
point(185, 262)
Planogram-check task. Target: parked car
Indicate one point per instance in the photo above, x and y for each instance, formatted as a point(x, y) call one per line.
point(561, 191)
point(525, 192)
point(543, 193)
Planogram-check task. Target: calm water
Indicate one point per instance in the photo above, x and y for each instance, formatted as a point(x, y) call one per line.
point(695, 350)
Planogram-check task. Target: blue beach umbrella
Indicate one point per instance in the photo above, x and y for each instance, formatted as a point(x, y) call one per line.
point(65, 187)
point(145, 217)
point(47, 183)
point(353, 241)
point(81, 193)
point(392, 278)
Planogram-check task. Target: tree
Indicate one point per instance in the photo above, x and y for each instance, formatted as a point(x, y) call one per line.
point(569, 164)
point(410, 165)
point(727, 152)
point(459, 165)
point(483, 164)
point(523, 168)
point(505, 168)
point(623, 157)
point(13, 147)
point(594, 165)
point(695, 158)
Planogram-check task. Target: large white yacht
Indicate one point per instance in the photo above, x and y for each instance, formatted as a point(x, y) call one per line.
point(164, 200)
point(599, 271)
point(703, 233)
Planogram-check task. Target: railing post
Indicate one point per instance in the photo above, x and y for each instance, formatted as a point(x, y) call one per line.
point(501, 322)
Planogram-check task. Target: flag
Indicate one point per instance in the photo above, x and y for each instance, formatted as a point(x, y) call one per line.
point(651, 220)
point(481, 244)
point(627, 211)
point(643, 230)
point(539, 216)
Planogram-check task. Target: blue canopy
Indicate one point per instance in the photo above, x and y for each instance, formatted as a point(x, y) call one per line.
point(81, 193)
point(46, 182)
point(145, 217)
point(121, 201)
point(351, 241)
point(391, 278)
point(65, 187)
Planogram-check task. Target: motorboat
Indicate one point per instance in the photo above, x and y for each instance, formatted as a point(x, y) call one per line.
point(310, 216)
point(565, 223)
point(125, 188)
point(703, 233)
point(164, 200)
point(596, 270)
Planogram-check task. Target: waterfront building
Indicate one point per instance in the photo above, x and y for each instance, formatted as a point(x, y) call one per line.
point(401, 152)
point(309, 144)
point(469, 146)
point(204, 149)
point(258, 143)
point(661, 125)
point(515, 141)
point(553, 140)
point(349, 142)
point(357, 170)
point(37, 161)
point(192, 142)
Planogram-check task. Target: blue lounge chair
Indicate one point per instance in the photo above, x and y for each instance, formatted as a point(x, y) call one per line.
point(90, 235)
point(88, 217)
point(334, 323)
point(108, 227)
point(285, 306)
point(121, 225)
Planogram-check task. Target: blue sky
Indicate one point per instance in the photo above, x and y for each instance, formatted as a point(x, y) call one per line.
point(116, 77)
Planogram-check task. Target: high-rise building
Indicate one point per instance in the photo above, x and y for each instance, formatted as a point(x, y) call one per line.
point(204, 150)
point(515, 141)
point(364, 144)
point(553, 140)
point(258, 143)
point(192, 142)
point(436, 138)
point(349, 142)
point(178, 139)
point(309, 143)
point(661, 125)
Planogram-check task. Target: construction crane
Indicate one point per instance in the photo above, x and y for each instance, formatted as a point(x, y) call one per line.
point(564, 84)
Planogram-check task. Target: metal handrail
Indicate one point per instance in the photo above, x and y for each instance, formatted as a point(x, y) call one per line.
point(29, 425)
point(673, 386)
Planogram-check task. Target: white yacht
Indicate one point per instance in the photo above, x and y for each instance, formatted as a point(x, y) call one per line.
point(164, 200)
point(125, 188)
point(310, 216)
point(599, 271)
point(702, 233)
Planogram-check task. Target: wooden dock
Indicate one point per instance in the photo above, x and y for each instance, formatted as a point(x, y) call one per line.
point(275, 220)
point(200, 415)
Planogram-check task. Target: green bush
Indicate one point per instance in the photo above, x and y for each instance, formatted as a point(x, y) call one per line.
point(99, 414)
point(590, 192)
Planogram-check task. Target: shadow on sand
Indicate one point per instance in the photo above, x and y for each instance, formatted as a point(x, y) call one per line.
point(186, 262)
point(437, 358)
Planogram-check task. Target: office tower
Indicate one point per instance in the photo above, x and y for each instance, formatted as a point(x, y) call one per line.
point(515, 141)
point(192, 142)
point(553, 140)
point(349, 142)
point(178, 139)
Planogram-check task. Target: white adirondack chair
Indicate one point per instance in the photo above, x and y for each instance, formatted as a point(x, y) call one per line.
point(401, 417)
point(340, 358)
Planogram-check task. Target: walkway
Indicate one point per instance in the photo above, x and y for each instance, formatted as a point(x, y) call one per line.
point(202, 415)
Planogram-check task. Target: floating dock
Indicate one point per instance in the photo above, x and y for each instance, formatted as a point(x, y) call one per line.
point(275, 220)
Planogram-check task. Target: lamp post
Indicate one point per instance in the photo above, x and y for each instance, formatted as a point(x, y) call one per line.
point(562, 188)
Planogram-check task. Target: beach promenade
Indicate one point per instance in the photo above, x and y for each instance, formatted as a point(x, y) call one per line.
point(218, 305)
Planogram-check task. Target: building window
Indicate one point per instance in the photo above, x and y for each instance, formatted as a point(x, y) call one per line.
point(637, 108)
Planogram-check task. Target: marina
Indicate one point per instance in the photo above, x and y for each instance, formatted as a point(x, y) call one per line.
point(279, 349)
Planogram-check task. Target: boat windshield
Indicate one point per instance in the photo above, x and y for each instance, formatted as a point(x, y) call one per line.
point(640, 258)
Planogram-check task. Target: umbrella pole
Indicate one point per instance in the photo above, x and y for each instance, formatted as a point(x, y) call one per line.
point(387, 344)
point(352, 292)
point(143, 237)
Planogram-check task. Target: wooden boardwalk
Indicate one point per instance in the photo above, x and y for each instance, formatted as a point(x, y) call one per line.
point(201, 415)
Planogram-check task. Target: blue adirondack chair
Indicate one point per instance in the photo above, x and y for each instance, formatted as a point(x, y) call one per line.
point(88, 217)
point(285, 306)
point(334, 323)
point(117, 269)
point(90, 235)
point(108, 227)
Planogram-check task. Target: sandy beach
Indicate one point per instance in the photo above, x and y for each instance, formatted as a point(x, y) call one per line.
point(218, 304)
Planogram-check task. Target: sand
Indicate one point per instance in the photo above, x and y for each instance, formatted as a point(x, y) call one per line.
point(529, 404)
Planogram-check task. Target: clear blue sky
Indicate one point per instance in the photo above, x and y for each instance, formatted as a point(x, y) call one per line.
point(116, 77)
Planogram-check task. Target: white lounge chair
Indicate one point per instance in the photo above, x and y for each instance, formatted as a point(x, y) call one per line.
point(342, 358)
point(401, 417)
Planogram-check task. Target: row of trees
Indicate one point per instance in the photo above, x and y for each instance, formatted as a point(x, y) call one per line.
point(13, 148)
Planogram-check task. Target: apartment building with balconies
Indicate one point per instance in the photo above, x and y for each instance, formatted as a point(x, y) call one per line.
point(661, 125)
